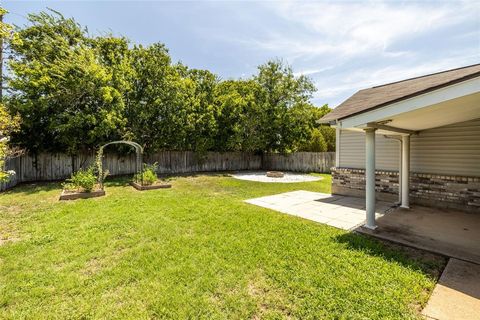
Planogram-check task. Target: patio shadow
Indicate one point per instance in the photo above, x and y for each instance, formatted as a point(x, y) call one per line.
point(426, 262)
point(355, 203)
point(27, 188)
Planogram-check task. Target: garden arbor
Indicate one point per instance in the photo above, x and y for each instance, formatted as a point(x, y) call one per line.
point(138, 162)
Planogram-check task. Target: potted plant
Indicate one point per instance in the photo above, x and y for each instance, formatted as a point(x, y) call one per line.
point(148, 179)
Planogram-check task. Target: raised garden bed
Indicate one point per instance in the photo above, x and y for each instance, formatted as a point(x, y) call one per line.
point(157, 185)
point(73, 195)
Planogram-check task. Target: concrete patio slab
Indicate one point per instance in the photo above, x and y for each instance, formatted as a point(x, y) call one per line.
point(447, 232)
point(337, 211)
point(457, 293)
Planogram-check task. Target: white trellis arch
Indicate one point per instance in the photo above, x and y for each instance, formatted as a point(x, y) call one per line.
point(138, 162)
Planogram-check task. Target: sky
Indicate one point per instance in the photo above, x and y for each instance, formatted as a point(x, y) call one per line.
point(343, 46)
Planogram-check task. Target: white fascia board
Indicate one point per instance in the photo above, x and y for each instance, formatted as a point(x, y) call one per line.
point(444, 94)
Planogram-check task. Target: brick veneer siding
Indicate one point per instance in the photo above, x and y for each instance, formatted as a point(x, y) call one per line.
point(426, 189)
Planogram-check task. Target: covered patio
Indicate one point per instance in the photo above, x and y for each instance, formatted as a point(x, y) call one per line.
point(402, 120)
point(416, 143)
point(440, 115)
point(448, 232)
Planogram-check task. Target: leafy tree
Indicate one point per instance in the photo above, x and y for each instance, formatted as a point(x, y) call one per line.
point(114, 54)
point(239, 116)
point(170, 106)
point(329, 136)
point(284, 97)
point(155, 104)
point(8, 123)
point(316, 143)
point(67, 98)
point(326, 131)
point(74, 92)
point(200, 109)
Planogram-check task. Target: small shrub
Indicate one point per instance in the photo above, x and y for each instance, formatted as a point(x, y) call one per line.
point(149, 177)
point(149, 174)
point(84, 180)
point(5, 176)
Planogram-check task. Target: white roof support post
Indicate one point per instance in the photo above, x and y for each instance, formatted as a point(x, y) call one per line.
point(399, 139)
point(337, 146)
point(370, 178)
point(405, 172)
point(400, 172)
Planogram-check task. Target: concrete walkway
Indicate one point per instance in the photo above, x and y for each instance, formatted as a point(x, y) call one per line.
point(457, 293)
point(337, 211)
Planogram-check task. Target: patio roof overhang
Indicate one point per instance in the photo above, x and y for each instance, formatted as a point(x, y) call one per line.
point(447, 105)
point(456, 103)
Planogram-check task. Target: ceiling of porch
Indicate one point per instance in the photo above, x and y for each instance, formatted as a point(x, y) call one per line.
point(448, 112)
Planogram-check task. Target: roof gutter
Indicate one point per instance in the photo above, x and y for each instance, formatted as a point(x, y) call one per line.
point(390, 128)
point(330, 122)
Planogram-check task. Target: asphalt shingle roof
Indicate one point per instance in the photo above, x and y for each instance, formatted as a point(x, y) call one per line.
point(386, 94)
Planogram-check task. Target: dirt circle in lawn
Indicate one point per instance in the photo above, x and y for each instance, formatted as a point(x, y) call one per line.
point(288, 177)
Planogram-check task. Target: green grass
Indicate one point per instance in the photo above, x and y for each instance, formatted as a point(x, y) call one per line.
point(194, 251)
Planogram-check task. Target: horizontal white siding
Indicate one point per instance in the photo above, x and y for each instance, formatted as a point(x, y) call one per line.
point(452, 150)
point(352, 151)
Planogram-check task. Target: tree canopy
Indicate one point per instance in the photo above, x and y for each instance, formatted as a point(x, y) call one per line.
point(73, 92)
point(8, 123)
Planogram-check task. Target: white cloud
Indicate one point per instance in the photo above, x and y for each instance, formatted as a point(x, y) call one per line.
point(350, 29)
point(347, 46)
point(345, 84)
point(314, 71)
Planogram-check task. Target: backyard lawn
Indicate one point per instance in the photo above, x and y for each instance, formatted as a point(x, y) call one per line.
point(195, 251)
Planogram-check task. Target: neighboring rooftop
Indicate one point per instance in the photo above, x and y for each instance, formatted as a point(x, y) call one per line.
point(386, 94)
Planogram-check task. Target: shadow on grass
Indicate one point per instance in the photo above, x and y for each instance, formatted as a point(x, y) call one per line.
point(195, 174)
point(28, 188)
point(423, 261)
point(118, 181)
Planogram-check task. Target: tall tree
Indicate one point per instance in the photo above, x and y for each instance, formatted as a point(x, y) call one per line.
point(239, 116)
point(201, 110)
point(74, 92)
point(5, 35)
point(285, 95)
point(65, 94)
point(8, 123)
point(320, 138)
point(156, 110)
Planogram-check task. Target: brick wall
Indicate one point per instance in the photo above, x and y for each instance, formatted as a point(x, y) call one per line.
point(426, 189)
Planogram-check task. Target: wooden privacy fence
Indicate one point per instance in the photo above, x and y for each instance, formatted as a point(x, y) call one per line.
point(300, 161)
point(50, 167)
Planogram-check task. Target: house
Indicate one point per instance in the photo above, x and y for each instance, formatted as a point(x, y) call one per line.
point(416, 141)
